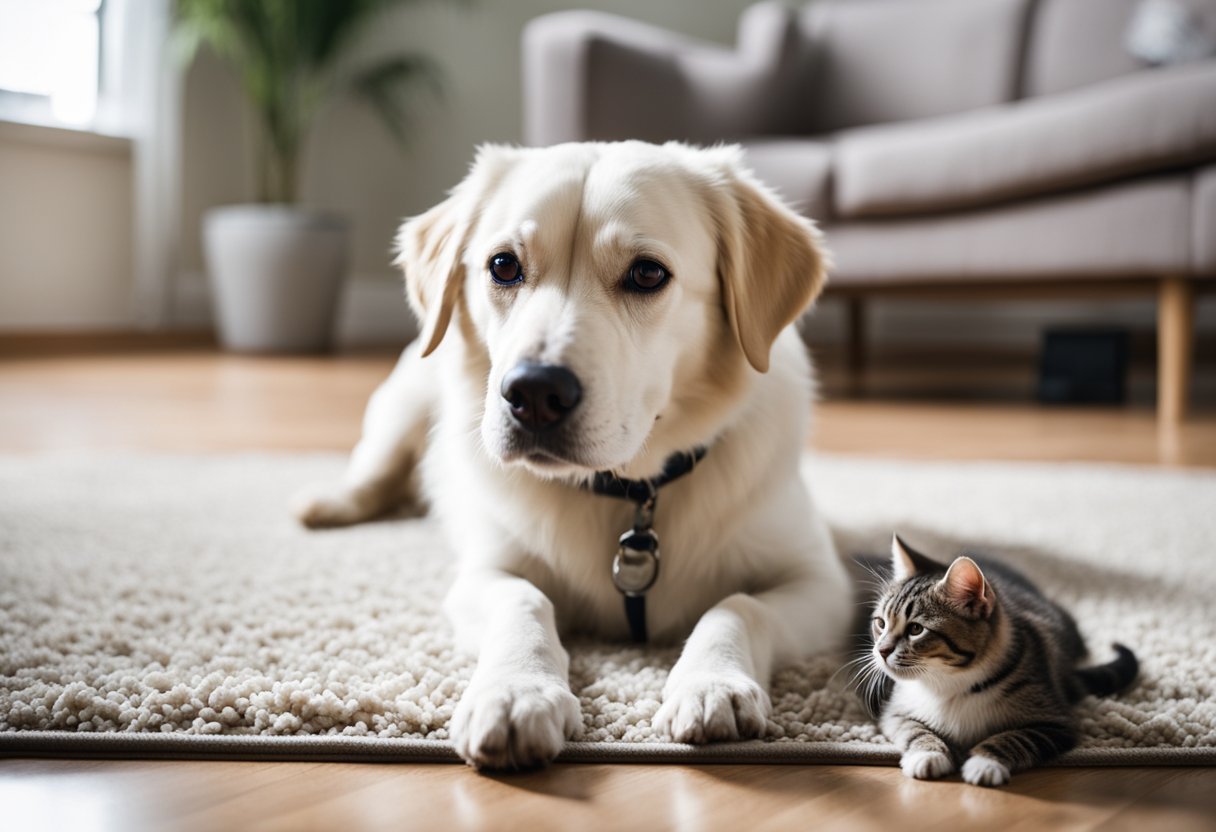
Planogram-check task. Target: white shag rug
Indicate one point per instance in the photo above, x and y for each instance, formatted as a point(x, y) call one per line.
point(169, 606)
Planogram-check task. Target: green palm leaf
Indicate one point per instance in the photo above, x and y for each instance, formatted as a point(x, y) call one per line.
point(287, 54)
point(387, 85)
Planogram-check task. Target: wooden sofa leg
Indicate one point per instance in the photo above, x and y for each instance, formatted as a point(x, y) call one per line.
point(856, 357)
point(1175, 322)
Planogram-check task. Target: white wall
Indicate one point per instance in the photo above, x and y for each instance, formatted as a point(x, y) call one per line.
point(66, 248)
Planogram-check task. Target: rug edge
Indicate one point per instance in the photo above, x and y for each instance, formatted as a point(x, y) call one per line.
point(376, 749)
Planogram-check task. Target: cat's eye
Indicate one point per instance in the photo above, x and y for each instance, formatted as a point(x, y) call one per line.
point(879, 624)
point(505, 269)
point(915, 629)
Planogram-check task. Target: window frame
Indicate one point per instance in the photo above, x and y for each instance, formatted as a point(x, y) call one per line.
point(38, 110)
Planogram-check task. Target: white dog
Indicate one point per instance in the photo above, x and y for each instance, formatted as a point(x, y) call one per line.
point(608, 308)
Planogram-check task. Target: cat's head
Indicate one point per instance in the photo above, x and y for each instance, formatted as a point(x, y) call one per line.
point(931, 619)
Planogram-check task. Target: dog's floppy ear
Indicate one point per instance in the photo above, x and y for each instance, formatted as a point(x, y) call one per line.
point(771, 261)
point(429, 252)
point(430, 247)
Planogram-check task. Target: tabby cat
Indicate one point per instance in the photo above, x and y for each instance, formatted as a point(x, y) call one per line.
point(975, 666)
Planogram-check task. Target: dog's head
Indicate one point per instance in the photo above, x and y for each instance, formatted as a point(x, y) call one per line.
point(616, 295)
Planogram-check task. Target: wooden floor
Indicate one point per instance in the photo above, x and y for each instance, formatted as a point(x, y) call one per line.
point(335, 797)
point(107, 395)
point(188, 397)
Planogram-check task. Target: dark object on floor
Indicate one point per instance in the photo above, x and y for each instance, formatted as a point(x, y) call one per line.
point(1083, 366)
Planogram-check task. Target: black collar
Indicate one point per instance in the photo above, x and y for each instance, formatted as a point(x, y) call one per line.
point(608, 484)
point(636, 565)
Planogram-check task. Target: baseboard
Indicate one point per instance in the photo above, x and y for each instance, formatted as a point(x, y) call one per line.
point(373, 309)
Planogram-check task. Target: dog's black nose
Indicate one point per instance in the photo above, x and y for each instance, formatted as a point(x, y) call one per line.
point(540, 395)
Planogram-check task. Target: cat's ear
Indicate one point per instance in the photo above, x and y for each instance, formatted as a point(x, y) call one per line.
point(966, 587)
point(906, 561)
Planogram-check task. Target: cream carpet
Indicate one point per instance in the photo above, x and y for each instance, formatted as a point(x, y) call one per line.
point(168, 606)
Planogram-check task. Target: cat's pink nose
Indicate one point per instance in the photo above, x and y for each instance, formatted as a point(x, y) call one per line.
point(885, 650)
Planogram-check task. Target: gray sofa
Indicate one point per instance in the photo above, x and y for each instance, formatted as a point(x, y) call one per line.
point(1014, 147)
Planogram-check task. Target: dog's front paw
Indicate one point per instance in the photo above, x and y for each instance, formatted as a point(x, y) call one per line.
point(519, 722)
point(707, 707)
point(985, 771)
point(926, 765)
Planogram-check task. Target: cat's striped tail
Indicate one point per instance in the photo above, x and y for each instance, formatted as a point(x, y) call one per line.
point(1112, 677)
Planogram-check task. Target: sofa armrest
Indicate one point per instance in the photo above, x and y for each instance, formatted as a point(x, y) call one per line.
point(595, 76)
point(1133, 125)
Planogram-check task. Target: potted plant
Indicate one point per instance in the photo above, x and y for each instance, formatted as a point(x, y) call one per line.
point(277, 268)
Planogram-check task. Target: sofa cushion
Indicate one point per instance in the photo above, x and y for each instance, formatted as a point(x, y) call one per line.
point(1073, 43)
point(888, 60)
point(1135, 229)
point(1135, 124)
point(799, 170)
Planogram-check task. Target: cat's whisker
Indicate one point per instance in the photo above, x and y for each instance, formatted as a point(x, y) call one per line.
point(858, 661)
point(881, 579)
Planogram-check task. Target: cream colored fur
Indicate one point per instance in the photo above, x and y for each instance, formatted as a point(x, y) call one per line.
point(749, 574)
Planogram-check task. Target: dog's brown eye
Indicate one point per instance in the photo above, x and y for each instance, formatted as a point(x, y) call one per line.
point(646, 276)
point(505, 269)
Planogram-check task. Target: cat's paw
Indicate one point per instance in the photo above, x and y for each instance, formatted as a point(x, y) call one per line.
point(708, 707)
point(985, 771)
point(926, 765)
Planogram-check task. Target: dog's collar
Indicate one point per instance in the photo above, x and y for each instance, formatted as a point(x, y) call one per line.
point(636, 565)
point(608, 484)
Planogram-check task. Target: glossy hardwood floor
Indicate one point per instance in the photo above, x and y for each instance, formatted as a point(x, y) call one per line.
point(337, 797)
point(181, 395)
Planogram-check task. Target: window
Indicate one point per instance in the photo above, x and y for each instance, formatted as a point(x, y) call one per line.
point(50, 59)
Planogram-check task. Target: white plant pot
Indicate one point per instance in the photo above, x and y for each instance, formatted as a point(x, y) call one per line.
point(276, 276)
